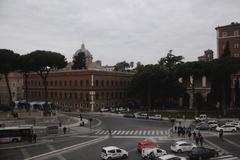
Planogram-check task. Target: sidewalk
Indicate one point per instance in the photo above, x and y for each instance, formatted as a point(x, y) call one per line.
point(71, 123)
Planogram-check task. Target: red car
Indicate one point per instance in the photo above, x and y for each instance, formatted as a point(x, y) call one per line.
point(144, 144)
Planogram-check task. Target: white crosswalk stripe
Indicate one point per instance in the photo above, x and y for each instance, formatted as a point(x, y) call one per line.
point(133, 132)
point(226, 157)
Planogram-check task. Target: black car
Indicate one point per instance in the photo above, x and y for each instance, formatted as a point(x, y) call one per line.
point(201, 153)
point(129, 115)
point(203, 126)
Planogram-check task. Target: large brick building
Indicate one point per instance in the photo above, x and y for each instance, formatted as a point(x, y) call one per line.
point(228, 35)
point(82, 90)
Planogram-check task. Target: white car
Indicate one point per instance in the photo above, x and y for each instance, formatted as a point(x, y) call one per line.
point(156, 117)
point(201, 117)
point(156, 151)
point(104, 109)
point(237, 125)
point(171, 157)
point(227, 128)
point(112, 152)
point(142, 116)
point(182, 146)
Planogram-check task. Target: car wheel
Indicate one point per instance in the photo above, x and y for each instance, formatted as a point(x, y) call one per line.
point(179, 151)
point(233, 130)
point(124, 156)
point(109, 158)
point(216, 155)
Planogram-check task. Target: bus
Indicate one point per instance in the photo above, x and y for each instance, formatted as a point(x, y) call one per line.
point(16, 134)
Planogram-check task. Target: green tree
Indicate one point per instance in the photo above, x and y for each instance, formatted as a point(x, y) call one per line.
point(25, 66)
point(8, 63)
point(171, 61)
point(79, 61)
point(43, 62)
point(220, 76)
point(121, 66)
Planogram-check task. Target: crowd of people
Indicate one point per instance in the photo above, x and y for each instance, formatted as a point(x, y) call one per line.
point(182, 131)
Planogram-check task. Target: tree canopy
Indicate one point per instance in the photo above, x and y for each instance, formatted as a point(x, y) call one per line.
point(121, 66)
point(79, 61)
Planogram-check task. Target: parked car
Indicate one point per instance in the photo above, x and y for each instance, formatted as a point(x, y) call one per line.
point(227, 128)
point(129, 115)
point(142, 116)
point(237, 125)
point(203, 126)
point(202, 153)
point(104, 109)
point(156, 117)
point(145, 144)
point(201, 117)
point(170, 157)
point(112, 152)
point(157, 152)
point(212, 124)
point(182, 146)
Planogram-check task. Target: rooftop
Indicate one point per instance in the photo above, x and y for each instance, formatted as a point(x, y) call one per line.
point(233, 24)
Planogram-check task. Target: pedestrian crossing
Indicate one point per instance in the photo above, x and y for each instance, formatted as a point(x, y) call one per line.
point(133, 132)
point(226, 157)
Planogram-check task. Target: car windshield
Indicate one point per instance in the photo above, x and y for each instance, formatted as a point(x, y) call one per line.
point(103, 150)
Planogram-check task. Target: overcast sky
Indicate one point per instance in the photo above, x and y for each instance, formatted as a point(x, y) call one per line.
point(115, 30)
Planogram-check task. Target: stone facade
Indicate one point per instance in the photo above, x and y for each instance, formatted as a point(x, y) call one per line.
point(82, 90)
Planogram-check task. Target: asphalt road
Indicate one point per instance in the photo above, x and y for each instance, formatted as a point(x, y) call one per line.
point(127, 133)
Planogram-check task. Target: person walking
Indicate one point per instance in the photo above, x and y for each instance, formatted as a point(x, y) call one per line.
point(194, 135)
point(221, 134)
point(201, 141)
point(183, 131)
point(189, 135)
point(175, 129)
point(64, 130)
point(35, 138)
point(110, 132)
point(197, 140)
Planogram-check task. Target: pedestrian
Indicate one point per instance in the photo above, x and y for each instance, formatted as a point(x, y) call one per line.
point(221, 134)
point(197, 140)
point(199, 134)
point(201, 141)
point(35, 138)
point(179, 130)
point(80, 117)
point(110, 132)
point(60, 124)
point(175, 129)
point(189, 135)
point(194, 135)
point(64, 130)
point(183, 131)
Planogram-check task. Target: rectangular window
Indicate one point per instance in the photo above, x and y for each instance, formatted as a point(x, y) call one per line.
point(236, 45)
point(224, 34)
point(236, 33)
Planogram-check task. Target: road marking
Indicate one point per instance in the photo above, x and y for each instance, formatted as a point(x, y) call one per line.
point(119, 132)
point(149, 132)
point(102, 132)
point(114, 132)
point(25, 153)
point(67, 149)
point(60, 157)
point(157, 132)
point(106, 132)
point(161, 132)
point(131, 132)
point(122, 132)
point(231, 142)
point(166, 132)
point(216, 146)
point(135, 133)
point(140, 132)
point(144, 132)
point(97, 131)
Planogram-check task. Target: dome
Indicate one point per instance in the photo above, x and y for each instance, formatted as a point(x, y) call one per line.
point(83, 49)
